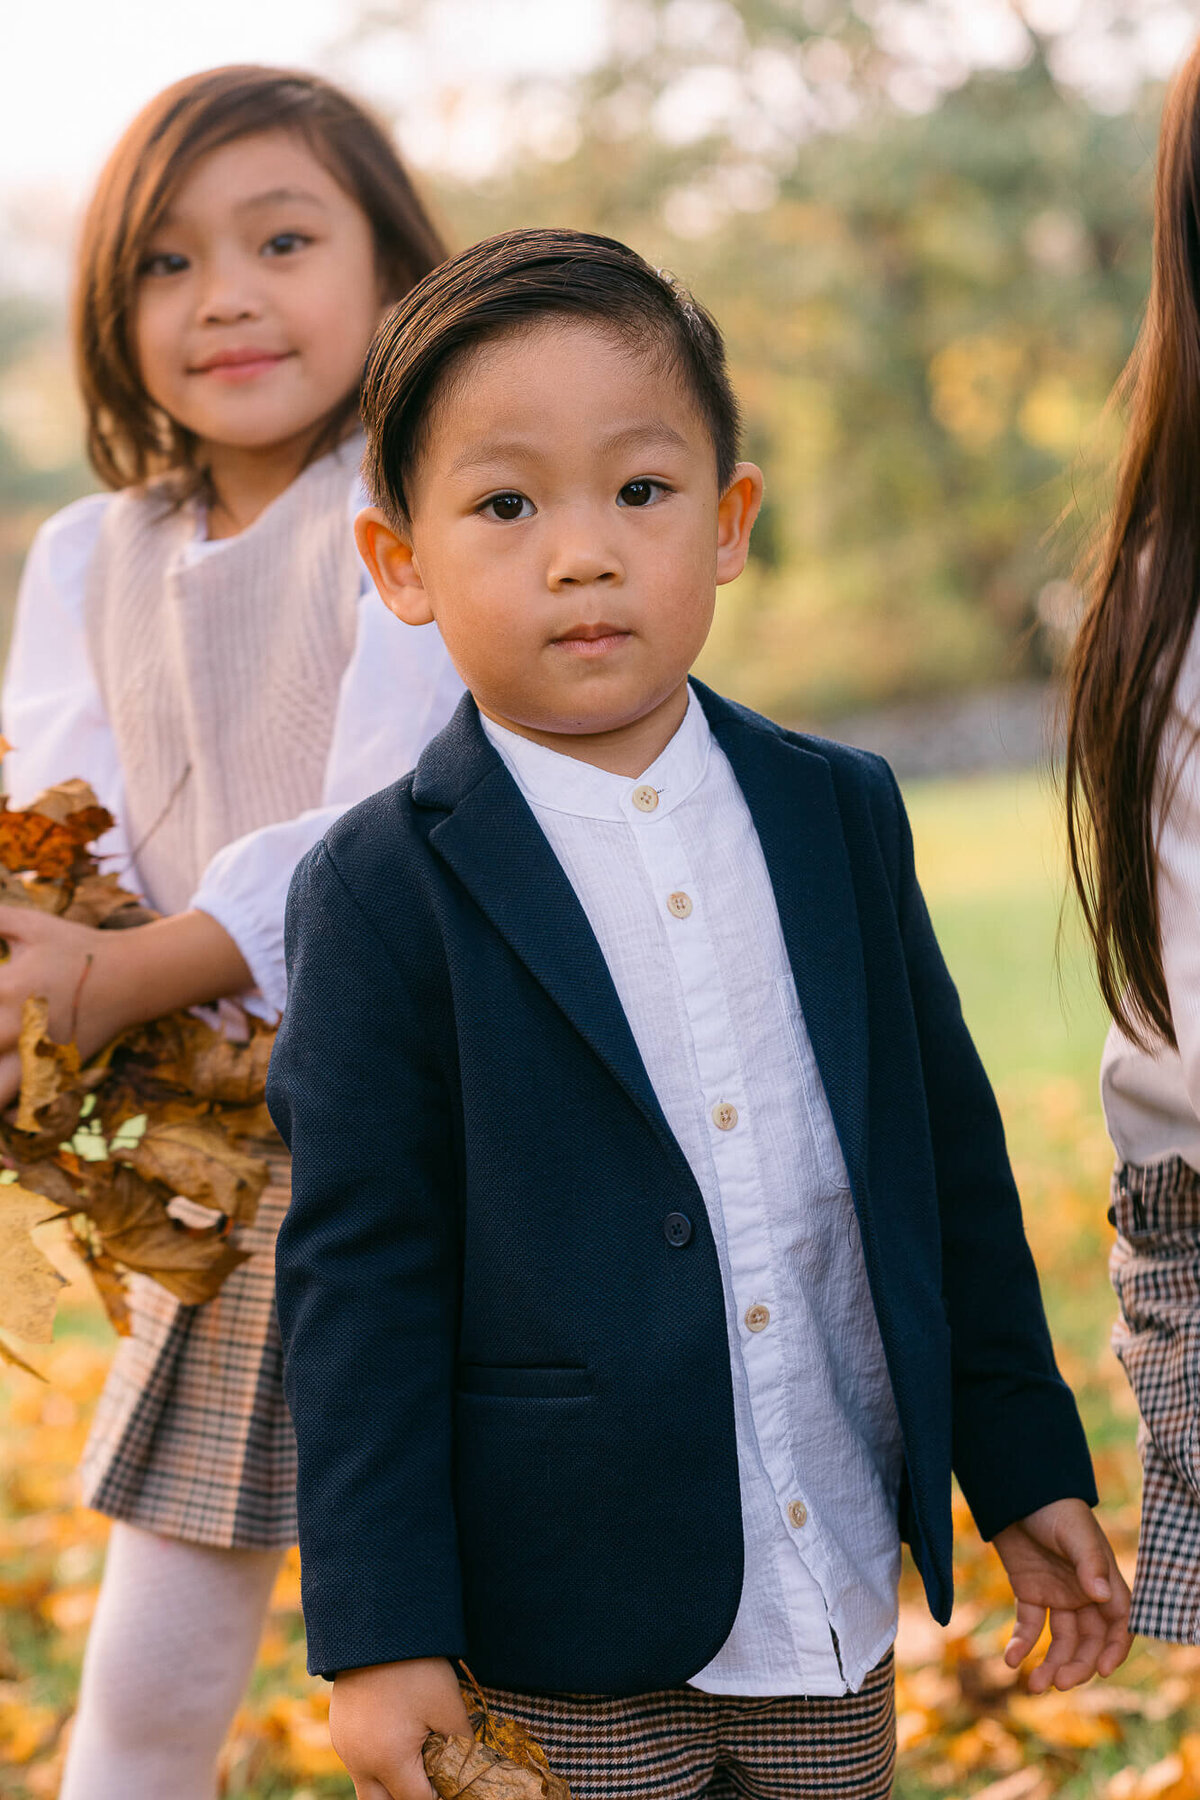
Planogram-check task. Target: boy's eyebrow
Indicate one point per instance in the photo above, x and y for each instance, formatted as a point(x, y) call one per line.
point(630, 437)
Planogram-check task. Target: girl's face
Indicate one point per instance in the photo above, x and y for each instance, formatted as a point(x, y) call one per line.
point(257, 297)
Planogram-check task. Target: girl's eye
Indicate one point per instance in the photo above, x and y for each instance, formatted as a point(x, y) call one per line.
point(162, 262)
point(508, 507)
point(639, 493)
point(284, 243)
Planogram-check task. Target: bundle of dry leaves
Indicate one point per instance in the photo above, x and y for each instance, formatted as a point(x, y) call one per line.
point(142, 1149)
point(501, 1761)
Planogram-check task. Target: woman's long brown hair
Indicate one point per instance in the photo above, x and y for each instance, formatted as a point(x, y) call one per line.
point(128, 438)
point(1144, 600)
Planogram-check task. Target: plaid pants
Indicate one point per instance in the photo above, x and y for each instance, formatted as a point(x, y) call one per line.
point(681, 1744)
point(1155, 1269)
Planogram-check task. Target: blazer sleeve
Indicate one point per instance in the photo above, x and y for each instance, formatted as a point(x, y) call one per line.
point(1018, 1442)
point(367, 1286)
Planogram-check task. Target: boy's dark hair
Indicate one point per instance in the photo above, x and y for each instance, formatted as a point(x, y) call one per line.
point(128, 439)
point(509, 283)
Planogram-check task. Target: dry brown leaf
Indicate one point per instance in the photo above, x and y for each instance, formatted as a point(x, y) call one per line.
point(212, 1066)
point(199, 1162)
point(195, 1090)
point(45, 896)
point(31, 1286)
point(8, 1355)
point(48, 837)
point(100, 900)
point(48, 1071)
point(459, 1766)
point(72, 803)
point(248, 1121)
point(135, 1227)
point(105, 1272)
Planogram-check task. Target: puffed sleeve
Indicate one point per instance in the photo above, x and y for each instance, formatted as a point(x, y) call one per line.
point(53, 715)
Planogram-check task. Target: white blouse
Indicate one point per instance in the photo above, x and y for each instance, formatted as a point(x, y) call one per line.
point(1152, 1098)
point(398, 690)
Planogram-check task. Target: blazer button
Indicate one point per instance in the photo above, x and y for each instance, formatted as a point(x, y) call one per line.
point(677, 1229)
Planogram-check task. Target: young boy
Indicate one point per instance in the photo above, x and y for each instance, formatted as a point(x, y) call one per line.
point(653, 1253)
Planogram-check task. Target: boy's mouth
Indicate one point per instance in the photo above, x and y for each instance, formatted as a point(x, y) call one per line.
point(592, 640)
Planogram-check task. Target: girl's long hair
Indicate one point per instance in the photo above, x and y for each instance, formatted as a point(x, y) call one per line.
point(1144, 599)
point(129, 439)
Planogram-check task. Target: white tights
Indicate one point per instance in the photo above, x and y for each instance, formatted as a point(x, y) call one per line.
point(170, 1652)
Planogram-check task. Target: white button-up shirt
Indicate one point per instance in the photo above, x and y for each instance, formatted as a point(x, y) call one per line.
point(671, 875)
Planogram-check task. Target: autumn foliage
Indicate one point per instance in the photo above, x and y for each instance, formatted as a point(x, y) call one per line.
point(500, 1762)
point(144, 1148)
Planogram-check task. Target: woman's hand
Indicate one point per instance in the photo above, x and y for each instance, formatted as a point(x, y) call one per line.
point(99, 983)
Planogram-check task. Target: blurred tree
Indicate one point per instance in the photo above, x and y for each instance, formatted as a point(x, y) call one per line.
point(929, 274)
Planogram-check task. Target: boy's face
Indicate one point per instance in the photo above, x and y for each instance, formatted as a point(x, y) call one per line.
point(567, 533)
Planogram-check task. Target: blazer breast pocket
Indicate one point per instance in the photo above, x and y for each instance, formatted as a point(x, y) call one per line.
point(518, 1381)
point(822, 1151)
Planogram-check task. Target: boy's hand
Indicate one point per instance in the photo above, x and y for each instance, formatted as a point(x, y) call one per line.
point(379, 1718)
point(1060, 1562)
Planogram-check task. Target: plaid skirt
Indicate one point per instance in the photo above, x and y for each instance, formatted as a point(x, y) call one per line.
point(1155, 1269)
point(192, 1437)
point(681, 1744)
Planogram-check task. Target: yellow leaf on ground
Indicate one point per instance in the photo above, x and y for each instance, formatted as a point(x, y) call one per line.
point(31, 1284)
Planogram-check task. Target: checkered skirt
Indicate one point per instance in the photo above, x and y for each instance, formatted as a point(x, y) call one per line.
point(192, 1437)
point(1155, 1269)
point(681, 1744)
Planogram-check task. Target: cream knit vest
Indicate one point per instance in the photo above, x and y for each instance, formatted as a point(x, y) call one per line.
point(220, 675)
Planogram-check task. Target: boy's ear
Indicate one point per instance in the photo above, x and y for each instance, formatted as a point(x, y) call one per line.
point(737, 510)
point(392, 562)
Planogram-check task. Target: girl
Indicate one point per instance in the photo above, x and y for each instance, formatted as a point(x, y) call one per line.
point(203, 648)
point(1133, 800)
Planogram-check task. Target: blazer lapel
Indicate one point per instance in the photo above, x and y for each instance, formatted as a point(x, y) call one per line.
point(791, 798)
point(498, 851)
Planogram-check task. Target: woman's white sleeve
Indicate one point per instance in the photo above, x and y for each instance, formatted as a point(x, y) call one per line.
point(398, 690)
point(53, 715)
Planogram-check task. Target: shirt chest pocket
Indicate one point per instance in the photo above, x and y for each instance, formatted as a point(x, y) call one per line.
point(819, 1147)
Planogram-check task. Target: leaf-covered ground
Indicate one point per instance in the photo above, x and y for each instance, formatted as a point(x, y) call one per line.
point(989, 862)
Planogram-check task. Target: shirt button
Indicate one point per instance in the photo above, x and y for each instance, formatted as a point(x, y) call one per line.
point(724, 1116)
point(677, 1229)
point(679, 905)
point(757, 1318)
point(798, 1514)
point(645, 798)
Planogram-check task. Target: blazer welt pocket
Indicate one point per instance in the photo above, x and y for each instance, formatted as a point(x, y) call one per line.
point(524, 1382)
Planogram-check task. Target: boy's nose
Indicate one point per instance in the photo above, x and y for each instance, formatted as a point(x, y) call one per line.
point(583, 566)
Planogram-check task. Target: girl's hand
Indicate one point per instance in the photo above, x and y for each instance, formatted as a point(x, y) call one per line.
point(98, 983)
point(1061, 1564)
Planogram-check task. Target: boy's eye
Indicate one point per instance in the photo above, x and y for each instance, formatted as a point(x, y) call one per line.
point(162, 262)
point(284, 243)
point(507, 507)
point(639, 493)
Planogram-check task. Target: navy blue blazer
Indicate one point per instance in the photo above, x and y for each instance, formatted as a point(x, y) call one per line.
point(511, 1388)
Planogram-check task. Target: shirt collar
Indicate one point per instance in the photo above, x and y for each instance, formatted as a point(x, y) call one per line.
point(561, 783)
